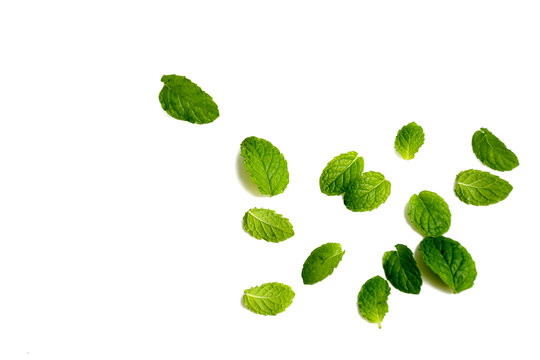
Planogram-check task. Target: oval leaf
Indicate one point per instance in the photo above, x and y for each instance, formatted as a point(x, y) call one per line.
point(401, 270)
point(184, 100)
point(368, 192)
point(492, 152)
point(268, 299)
point(409, 140)
point(373, 299)
point(450, 261)
point(267, 167)
point(267, 225)
point(340, 172)
point(481, 188)
point(429, 213)
point(321, 263)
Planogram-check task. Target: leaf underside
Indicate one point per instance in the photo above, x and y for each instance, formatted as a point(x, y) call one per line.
point(268, 299)
point(481, 188)
point(267, 225)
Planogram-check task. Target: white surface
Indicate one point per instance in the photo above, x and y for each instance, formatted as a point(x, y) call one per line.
point(121, 231)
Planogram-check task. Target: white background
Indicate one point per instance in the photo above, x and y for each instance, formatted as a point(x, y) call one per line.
point(121, 233)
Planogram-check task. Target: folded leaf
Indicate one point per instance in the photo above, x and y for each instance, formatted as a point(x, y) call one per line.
point(429, 213)
point(321, 263)
point(492, 152)
point(368, 192)
point(401, 270)
point(184, 100)
point(409, 140)
point(373, 299)
point(267, 167)
point(268, 299)
point(340, 172)
point(481, 188)
point(450, 261)
point(268, 225)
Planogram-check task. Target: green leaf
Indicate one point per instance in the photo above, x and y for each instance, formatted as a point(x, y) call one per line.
point(373, 299)
point(401, 270)
point(429, 213)
point(266, 224)
point(184, 100)
point(477, 187)
point(492, 152)
point(268, 299)
point(450, 261)
point(409, 140)
point(340, 172)
point(266, 165)
point(368, 192)
point(321, 263)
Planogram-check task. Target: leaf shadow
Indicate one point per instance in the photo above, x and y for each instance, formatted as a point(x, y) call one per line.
point(428, 275)
point(244, 177)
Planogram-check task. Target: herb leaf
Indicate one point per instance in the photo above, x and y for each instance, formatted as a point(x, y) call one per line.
point(481, 188)
point(268, 225)
point(266, 165)
point(401, 270)
point(321, 263)
point(184, 100)
point(368, 192)
point(492, 152)
point(409, 140)
point(429, 213)
point(268, 299)
point(450, 261)
point(340, 172)
point(373, 299)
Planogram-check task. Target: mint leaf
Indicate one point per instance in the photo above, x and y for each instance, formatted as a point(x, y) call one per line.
point(340, 172)
point(492, 152)
point(373, 299)
point(450, 261)
point(184, 100)
point(369, 191)
point(321, 263)
point(429, 213)
point(401, 270)
point(409, 140)
point(266, 224)
point(266, 165)
point(268, 299)
point(477, 187)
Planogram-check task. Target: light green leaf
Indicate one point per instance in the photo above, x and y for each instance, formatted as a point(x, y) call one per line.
point(267, 167)
point(266, 224)
point(373, 299)
point(409, 140)
point(268, 299)
point(321, 263)
point(401, 270)
point(450, 261)
point(340, 172)
point(184, 100)
point(492, 152)
point(481, 188)
point(368, 192)
point(429, 213)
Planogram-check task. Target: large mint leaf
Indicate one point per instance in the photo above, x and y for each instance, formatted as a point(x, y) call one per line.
point(477, 187)
point(268, 299)
point(373, 300)
point(409, 140)
point(184, 100)
point(340, 172)
point(492, 152)
point(321, 263)
point(268, 225)
point(429, 213)
point(267, 167)
point(450, 261)
point(368, 192)
point(401, 270)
